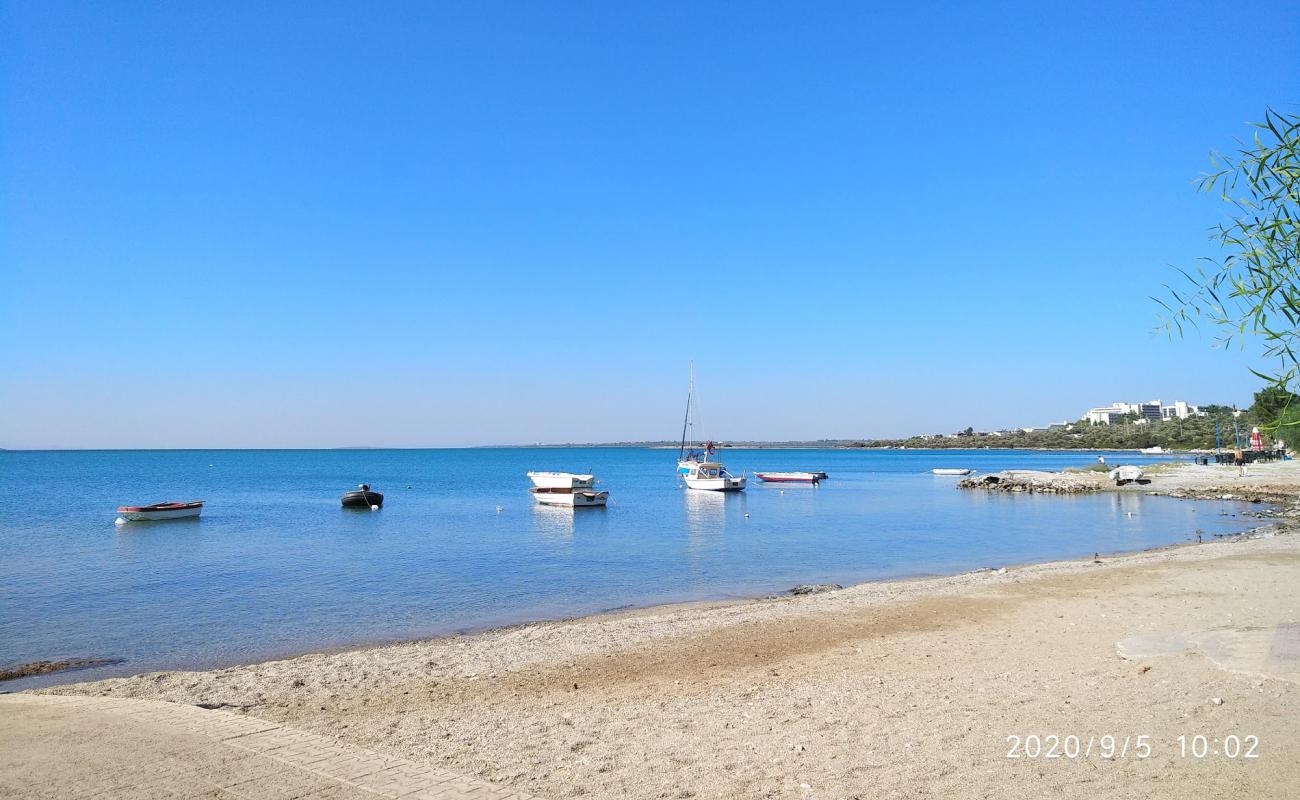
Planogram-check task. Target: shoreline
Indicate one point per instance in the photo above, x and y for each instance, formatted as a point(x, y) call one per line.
point(632, 610)
point(1048, 482)
point(898, 688)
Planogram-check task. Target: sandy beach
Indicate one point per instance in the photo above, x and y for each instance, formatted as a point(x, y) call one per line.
point(893, 689)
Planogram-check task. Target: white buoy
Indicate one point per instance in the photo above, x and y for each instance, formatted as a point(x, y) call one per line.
point(500, 509)
point(120, 521)
point(746, 515)
point(374, 508)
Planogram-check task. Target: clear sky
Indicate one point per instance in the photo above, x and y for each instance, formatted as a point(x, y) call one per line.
point(427, 224)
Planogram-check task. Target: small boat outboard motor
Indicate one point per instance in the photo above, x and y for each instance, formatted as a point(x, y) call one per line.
point(362, 497)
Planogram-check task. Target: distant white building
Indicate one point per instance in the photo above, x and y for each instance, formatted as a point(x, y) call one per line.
point(1180, 410)
point(1150, 411)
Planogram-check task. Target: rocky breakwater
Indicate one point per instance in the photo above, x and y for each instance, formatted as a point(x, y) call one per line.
point(1033, 482)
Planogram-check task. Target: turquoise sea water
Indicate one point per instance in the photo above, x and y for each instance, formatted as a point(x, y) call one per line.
point(275, 567)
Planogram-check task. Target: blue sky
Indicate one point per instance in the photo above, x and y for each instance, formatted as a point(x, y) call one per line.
point(411, 224)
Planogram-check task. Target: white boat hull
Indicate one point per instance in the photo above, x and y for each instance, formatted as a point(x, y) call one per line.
point(144, 516)
point(951, 471)
point(561, 480)
point(576, 499)
point(728, 484)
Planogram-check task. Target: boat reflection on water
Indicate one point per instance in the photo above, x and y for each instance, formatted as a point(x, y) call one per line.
point(707, 517)
point(560, 523)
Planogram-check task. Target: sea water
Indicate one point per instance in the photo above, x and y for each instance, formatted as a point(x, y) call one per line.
point(275, 567)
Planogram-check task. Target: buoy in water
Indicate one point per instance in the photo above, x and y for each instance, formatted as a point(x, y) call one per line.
point(374, 508)
point(120, 521)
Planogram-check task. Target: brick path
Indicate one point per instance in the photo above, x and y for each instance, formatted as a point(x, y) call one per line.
point(55, 747)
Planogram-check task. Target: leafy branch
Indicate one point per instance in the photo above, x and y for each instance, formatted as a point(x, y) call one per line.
point(1252, 290)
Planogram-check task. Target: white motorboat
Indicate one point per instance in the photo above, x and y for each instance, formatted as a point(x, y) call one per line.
point(942, 471)
point(574, 498)
point(712, 476)
point(159, 511)
point(1152, 451)
point(561, 480)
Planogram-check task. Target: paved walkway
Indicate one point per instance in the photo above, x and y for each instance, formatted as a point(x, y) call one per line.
point(56, 747)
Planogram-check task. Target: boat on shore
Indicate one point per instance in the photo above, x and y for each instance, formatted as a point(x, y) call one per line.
point(790, 477)
point(1127, 474)
point(562, 480)
point(160, 511)
point(954, 472)
point(362, 497)
point(571, 497)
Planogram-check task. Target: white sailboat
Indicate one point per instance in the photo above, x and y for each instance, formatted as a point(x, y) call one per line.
point(696, 466)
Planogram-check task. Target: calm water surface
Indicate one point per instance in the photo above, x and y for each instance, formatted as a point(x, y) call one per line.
point(275, 567)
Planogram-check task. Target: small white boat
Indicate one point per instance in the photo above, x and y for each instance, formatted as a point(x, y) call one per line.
point(159, 511)
point(561, 480)
point(713, 477)
point(1126, 474)
point(951, 471)
point(574, 498)
point(790, 477)
point(1152, 451)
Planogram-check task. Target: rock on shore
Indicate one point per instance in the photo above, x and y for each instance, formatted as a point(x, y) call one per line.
point(1034, 482)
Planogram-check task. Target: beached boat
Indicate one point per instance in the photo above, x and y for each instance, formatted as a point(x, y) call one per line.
point(362, 497)
point(942, 471)
point(561, 480)
point(159, 511)
point(696, 467)
point(575, 498)
point(1127, 474)
point(790, 477)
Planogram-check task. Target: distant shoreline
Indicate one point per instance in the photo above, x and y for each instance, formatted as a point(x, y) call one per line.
point(608, 446)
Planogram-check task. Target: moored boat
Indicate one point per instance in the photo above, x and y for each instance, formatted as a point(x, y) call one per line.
point(712, 476)
point(160, 511)
point(697, 467)
point(575, 498)
point(790, 477)
point(943, 471)
point(562, 480)
point(362, 497)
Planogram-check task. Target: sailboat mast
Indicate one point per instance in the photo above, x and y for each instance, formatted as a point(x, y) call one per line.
point(686, 421)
